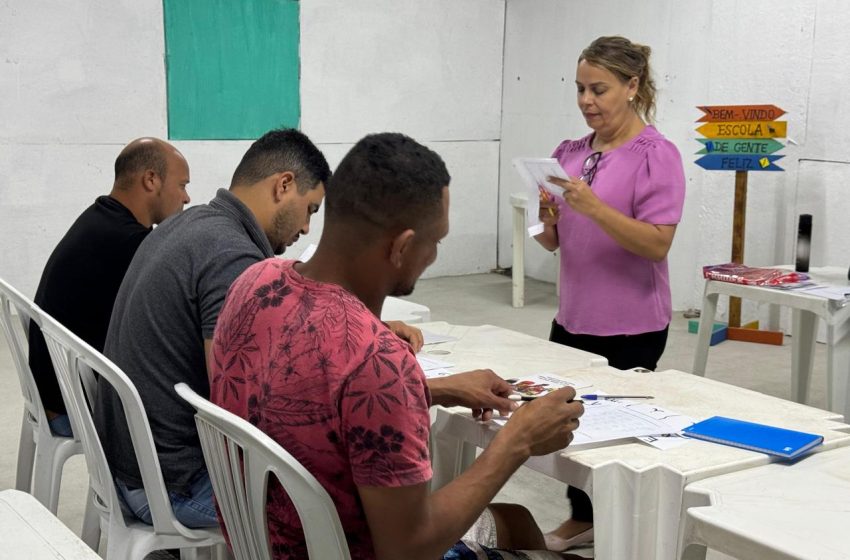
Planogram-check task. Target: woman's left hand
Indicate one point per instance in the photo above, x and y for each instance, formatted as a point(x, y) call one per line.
point(578, 195)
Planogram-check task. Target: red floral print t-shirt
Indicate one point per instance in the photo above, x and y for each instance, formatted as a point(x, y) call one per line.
point(311, 366)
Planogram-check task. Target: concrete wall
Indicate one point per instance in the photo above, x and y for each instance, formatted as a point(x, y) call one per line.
point(80, 79)
point(480, 81)
point(792, 54)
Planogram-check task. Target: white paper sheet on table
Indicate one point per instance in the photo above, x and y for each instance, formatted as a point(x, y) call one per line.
point(833, 292)
point(427, 363)
point(535, 173)
point(434, 338)
point(665, 441)
point(605, 421)
point(437, 372)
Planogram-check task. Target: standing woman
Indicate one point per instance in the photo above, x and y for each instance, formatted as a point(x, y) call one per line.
point(613, 226)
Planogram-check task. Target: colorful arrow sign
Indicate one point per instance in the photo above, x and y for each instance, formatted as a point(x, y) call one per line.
point(718, 113)
point(739, 162)
point(739, 146)
point(744, 129)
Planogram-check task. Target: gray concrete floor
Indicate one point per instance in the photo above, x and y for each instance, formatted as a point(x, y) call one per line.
point(473, 300)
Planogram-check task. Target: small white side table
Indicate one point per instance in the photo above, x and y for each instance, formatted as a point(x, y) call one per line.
point(519, 202)
point(804, 321)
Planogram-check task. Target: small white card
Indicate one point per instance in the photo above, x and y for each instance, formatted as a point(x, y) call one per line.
point(434, 338)
point(665, 441)
point(535, 173)
point(438, 372)
point(427, 363)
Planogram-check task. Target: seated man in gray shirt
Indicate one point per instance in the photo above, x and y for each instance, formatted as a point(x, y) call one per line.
point(162, 324)
point(168, 303)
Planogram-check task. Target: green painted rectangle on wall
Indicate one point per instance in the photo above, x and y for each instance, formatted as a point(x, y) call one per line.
point(232, 67)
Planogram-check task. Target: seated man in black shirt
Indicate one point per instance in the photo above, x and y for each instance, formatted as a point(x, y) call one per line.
point(82, 276)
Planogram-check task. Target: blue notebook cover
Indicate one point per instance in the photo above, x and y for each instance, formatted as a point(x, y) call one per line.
point(755, 437)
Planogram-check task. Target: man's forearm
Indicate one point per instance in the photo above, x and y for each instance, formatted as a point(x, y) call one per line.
point(441, 391)
point(454, 508)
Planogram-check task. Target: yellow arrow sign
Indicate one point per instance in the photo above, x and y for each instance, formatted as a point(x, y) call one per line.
point(744, 129)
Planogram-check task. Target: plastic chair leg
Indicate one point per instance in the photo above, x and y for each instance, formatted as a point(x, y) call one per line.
point(217, 552)
point(50, 457)
point(47, 475)
point(122, 544)
point(91, 525)
point(26, 457)
point(222, 552)
point(694, 552)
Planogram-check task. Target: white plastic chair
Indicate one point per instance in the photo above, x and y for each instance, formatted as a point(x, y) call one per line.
point(127, 538)
point(41, 454)
point(239, 457)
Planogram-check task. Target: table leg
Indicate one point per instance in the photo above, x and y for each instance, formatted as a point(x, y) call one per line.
point(706, 326)
point(518, 268)
point(838, 369)
point(450, 455)
point(636, 515)
point(803, 332)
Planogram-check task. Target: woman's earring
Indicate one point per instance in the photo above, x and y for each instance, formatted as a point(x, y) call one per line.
point(631, 99)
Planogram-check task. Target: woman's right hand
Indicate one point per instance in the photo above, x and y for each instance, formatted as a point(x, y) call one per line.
point(549, 212)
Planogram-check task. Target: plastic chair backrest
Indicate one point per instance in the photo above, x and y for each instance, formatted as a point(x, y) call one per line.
point(75, 361)
point(17, 336)
point(239, 458)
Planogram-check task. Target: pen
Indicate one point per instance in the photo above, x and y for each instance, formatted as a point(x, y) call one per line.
point(516, 397)
point(606, 397)
point(546, 198)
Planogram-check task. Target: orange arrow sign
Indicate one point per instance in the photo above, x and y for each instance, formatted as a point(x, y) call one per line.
point(719, 113)
point(744, 129)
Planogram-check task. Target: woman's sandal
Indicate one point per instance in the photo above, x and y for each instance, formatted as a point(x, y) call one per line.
point(560, 544)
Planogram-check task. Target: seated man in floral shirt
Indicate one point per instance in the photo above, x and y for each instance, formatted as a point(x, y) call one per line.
point(299, 350)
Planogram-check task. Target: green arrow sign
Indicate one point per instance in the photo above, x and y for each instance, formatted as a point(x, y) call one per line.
point(739, 146)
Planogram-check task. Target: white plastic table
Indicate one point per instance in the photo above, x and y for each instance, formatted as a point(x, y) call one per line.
point(396, 309)
point(637, 490)
point(504, 351)
point(778, 511)
point(509, 353)
point(804, 321)
point(28, 531)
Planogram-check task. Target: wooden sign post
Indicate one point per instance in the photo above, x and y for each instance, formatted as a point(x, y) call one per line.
point(740, 138)
point(739, 226)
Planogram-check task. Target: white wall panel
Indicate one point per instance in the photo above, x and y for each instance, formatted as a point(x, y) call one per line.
point(432, 70)
point(44, 188)
point(81, 72)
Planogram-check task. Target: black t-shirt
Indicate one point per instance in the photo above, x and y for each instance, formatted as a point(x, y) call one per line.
point(80, 282)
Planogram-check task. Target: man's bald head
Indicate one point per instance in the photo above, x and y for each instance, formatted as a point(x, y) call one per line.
point(151, 177)
point(140, 155)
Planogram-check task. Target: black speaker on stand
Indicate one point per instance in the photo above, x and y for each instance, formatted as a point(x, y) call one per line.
point(804, 243)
